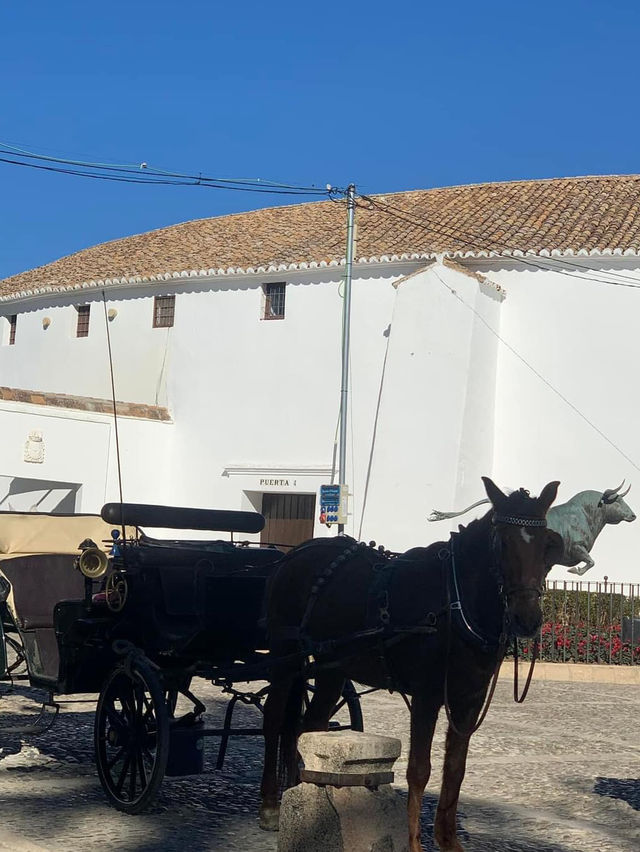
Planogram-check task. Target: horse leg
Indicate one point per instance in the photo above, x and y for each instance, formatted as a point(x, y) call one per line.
point(423, 721)
point(455, 764)
point(327, 692)
point(274, 713)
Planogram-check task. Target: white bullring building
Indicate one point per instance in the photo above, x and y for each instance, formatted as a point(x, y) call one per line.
point(495, 329)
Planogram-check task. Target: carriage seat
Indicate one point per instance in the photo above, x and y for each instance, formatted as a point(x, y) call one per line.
point(36, 557)
point(37, 552)
point(38, 582)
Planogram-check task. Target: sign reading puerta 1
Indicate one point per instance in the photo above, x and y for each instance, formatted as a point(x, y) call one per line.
point(333, 504)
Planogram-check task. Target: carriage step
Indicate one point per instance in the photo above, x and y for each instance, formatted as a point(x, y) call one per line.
point(43, 722)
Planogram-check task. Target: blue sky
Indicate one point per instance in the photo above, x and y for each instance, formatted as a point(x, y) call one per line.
point(391, 96)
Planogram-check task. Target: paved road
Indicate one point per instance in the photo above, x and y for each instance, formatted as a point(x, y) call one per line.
point(557, 774)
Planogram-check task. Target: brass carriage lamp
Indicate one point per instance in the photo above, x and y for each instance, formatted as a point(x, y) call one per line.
point(92, 564)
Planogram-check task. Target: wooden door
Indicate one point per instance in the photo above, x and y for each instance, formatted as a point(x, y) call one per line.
point(289, 518)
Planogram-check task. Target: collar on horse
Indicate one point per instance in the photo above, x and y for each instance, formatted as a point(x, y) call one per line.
point(453, 605)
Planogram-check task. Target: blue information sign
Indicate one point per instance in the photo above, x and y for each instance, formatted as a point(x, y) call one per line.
point(333, 504)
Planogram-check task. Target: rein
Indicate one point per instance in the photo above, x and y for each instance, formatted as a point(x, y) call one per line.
point(503, 639)
point(388, 634)
point(534, 657)
point(502, 646)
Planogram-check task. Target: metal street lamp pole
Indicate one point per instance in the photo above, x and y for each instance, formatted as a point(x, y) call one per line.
point(346, 324)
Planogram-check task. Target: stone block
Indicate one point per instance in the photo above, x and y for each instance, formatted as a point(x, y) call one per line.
point(347, 752)
point(325, 817)
point(344, 819)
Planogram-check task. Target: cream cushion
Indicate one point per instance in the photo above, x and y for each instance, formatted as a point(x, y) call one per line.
point(22, 533)
point(30, 534)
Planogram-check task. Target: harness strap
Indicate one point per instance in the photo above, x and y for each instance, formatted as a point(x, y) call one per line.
point(519, 522)
point(494, 679)
point(379, 591)
point(322, 577)
point(455, 606)
point(534, 657)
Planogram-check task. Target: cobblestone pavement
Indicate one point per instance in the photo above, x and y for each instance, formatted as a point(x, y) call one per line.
point(560, 773)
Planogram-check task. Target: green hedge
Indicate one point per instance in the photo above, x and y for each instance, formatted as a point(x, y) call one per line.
point(598, 608)
point(585, 627)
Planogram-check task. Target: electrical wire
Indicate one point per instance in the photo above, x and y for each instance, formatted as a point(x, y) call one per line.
point(539, 375)
point(481, 242)
point(141, 173)
point(618, 280)
point(129, 167)
point(545, 381)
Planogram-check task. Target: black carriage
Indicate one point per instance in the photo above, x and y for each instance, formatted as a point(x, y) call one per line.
point(92, 604)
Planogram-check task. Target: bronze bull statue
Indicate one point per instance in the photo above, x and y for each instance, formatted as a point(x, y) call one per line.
point(579, 522)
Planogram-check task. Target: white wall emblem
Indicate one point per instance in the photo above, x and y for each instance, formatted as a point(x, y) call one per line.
point(34, 448)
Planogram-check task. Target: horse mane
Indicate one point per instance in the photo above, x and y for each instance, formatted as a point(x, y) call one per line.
point(473, 538)
point(518, 503)
point(521, 504)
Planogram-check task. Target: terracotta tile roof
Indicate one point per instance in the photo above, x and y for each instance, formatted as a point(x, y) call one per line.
point(86, 403)
point(564, 216)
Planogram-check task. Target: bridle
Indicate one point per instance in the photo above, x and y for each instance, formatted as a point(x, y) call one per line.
point(504, 594)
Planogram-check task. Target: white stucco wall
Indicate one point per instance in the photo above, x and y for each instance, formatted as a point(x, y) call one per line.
point(436, 400)
point(582, 338)
point(79, 448)
point(261, 397)
point(54, 359)
point(434, 437)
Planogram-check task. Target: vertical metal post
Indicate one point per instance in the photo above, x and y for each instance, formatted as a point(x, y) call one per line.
point(346, 325)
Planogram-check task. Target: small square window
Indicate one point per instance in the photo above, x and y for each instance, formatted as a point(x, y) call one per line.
point(274, 301)
point(13, 322)
point(164, 308)
point(82, 325)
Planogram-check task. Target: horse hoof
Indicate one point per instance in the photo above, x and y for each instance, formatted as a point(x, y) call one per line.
point(448, 844)
point(451, 847)
point(269, 819)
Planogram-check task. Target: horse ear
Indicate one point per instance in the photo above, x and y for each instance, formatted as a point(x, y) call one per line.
point(547, 496)
point(493, 492)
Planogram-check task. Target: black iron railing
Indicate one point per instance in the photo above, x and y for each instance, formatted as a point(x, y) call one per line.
point(589, 622)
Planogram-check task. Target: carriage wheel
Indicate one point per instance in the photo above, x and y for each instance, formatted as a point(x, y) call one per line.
point(16, 657)
point(171, 698)
point(350, 700)
point(175, 686)
point(132, 736)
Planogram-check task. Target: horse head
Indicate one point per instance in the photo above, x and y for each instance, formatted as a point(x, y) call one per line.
point(523, 550)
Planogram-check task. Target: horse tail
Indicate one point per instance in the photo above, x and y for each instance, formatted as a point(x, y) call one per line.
point(289, 732)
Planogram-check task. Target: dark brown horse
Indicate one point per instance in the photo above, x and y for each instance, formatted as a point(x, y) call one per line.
point(432, 623)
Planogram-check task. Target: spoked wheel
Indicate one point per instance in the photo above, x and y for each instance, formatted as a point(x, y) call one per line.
point(347, 714)
point(350, 700)
point(172, 692)
point(16, 658)
point(132, 736)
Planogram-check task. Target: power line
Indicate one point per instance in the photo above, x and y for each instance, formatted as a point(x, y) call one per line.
point(128, 167)
point(539, 375)
point(143, 174)
point(481, 242)
point(545, 381)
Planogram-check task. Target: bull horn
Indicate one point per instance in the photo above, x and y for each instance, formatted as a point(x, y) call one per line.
point(624, 493)
point(610, 494)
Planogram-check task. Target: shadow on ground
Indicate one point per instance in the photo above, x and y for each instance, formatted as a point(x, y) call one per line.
point(627, 789)
point(60, 799)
